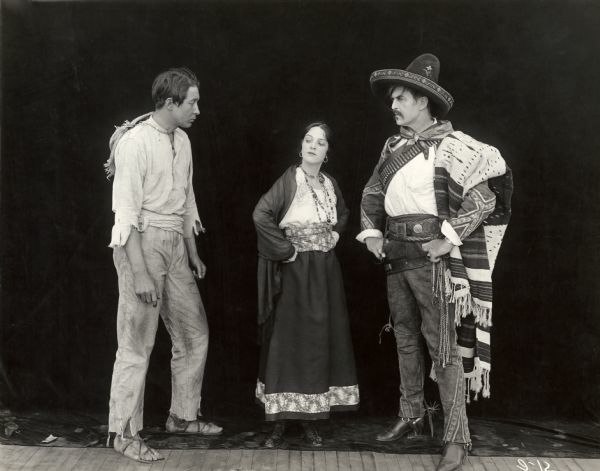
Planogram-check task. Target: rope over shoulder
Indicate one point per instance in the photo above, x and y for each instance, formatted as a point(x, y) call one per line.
point(120, 131)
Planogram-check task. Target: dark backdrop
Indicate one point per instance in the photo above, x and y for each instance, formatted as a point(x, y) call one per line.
point(525, 77)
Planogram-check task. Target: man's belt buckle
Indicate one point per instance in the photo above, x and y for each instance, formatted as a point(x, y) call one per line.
point(417, 228)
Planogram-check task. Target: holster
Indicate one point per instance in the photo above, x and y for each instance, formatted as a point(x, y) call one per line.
point(404, 237)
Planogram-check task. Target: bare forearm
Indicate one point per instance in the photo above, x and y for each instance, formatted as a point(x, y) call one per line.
point(133, 248)
point(190, 247)
point(197, 265)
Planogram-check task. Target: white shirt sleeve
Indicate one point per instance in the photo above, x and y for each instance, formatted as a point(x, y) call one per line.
point(369, 233)
point(130, 166)
point(450, 233)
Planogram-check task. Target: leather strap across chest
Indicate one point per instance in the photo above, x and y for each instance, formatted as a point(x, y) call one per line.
point(401, 156)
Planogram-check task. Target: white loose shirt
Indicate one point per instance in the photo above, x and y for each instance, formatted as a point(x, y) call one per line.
point(153, 183)
point(411, 191)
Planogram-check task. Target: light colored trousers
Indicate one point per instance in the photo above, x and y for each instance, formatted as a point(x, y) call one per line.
point(182, 311)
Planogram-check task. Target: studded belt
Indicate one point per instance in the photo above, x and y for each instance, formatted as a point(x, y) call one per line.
point(413, 228)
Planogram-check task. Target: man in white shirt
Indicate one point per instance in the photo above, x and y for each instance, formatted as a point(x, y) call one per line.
point(156, 258)
point(415, 211)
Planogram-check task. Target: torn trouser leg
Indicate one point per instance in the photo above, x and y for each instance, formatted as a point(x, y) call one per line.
point(185, 319)
point(181, 309)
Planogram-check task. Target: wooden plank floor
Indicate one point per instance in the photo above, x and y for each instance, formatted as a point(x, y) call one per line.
point(14, 457)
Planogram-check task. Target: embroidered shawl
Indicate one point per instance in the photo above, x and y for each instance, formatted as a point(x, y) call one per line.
point(462, 165)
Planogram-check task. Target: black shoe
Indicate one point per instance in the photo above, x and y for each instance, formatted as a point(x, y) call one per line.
point(275, 440)
point(311, 435)
point(452, 457)
point(402, 428)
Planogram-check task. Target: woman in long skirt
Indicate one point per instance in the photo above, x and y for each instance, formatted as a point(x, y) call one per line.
point(307, 363)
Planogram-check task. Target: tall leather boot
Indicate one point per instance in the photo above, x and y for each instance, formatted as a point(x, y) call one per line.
point(452, 457)
point(402, 428)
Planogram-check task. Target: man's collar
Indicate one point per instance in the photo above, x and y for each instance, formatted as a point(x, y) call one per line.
point(152, 122)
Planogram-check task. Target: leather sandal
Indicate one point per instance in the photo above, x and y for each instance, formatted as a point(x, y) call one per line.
point(134, 447)
point(177, 425)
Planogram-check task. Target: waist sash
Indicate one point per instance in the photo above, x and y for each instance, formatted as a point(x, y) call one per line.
point(168, 222)
point(317, 236)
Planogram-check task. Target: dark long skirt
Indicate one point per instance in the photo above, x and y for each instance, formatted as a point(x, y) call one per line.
point(307, 365)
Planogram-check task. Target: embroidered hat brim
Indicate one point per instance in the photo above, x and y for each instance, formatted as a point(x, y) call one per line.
point(382, 80)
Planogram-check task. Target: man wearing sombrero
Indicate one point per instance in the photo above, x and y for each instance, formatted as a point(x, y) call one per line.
point(435, 211)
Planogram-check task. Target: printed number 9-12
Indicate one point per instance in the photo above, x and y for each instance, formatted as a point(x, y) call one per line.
point(535, 465)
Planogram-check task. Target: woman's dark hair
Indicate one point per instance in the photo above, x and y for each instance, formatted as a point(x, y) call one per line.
point(174, 84)
point(319, 124)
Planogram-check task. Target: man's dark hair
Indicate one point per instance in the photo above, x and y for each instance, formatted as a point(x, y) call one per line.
point(416, 94)
point(174, 84)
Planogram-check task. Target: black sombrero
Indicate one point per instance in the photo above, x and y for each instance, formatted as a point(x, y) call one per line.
point(421, 74)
